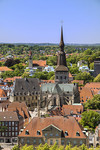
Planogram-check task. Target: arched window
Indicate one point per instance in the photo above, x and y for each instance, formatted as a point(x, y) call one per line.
point(66, 133)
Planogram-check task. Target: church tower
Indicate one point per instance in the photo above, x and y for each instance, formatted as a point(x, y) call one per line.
point(61, 71)
point(30, 60)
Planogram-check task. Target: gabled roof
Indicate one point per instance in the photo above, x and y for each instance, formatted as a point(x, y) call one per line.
point(68, 124)
point(2, 93)
point(61, 68)
point(8, 116)
point(41, 63)
point(26, 85)
point(52, 126)
point(20, 108)
point(11, 79)
point(5, 69)
point(53, 87)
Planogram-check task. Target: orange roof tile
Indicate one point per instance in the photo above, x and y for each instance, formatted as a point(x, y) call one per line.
point(72, 109)
point(21, 108)
point(41, 63)
point(5, 69)
point(68, 124)
point(2, 93)
point(11, 79)
point(94, 86)
point(70, 75)
point(85, 94)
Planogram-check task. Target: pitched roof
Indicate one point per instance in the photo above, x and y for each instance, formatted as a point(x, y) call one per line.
point(85, 94)
point(21, 108)
point(70, 75)
point(41, 63)
point(68, 124)
point(11, 79)
point(8, 116)
point(72, 109)
point(2, 93)
point(26, 85)
point(61, 68)
point(47, 81)
point(62, 87)
point(5, 69)
point(94, 86)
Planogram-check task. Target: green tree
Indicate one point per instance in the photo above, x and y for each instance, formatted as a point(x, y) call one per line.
point(93, 103)
point(90, 119)
point(97, 78)
point(84, 76)
point(15, 148)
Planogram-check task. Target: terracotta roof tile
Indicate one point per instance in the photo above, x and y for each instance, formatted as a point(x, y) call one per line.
point(2, 93)
point(8, 116)
point(41, 63)
point(85, 94)
point(5, 69)
point(78, 81)
point(11, 79)
point(68, 124)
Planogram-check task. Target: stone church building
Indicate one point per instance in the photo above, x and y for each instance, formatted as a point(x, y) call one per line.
point(61, 92)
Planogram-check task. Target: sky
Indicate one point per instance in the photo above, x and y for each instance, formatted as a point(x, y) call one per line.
point(39, 21)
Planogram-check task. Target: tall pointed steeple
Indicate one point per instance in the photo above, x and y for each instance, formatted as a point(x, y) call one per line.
point(61, 71)
point(61, 41)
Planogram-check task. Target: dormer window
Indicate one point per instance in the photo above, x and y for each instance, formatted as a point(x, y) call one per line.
point(66, 133)
point(27, 132)
point(38, 132)
point(77, 133)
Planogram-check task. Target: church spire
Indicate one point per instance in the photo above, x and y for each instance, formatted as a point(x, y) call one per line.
point(61, 41)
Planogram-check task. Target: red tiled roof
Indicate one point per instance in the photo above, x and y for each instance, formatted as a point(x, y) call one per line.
point(21, 108)
point(70, 75)
point(72, 109)
point(2, 93)
point(85, 94)
point(11, 79)
point(41, 63)
point(68, 124)
point(94, 86)
point(5, 69)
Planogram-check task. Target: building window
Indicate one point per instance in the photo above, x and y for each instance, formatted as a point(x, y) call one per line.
point(51, 142)
point(40, 141)
point(56, 77)
point(77, 133)
point(6, 134)
point(6, 123)
point(12, 133)
point(45, 134)
point(51, 134)
point(57, 134)
point(2, 123)
point(74, 142)
point(2, 133)
point(16, 123)
point(12, 128)
point(62, 142)
point(28, 141)
point(16, 98)
point(81, 142)
point(38, 132)
point(10, 123)
point(61, 77)
point(36, 97)
point(34, 141)
point(57, 142)
point(9, 133)
point(65, 77)
point(16, 133)
point(16, 128)
point(66, 133)
point(26, 132)
point(9, 128)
